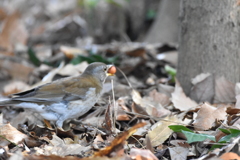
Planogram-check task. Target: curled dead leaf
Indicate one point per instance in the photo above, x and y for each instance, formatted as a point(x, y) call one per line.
point(117, 144)
point(138, 154)
point(15, 87)
point(207, 115)
point(160, 131)
point(224, 91)
point(180, 100)
point(9, 134)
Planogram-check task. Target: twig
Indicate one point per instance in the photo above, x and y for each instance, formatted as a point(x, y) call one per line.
point(115, 109)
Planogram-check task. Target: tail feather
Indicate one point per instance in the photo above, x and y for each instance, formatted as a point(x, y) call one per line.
point(7, 101)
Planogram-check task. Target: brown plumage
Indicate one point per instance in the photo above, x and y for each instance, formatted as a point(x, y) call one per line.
point(66, 98)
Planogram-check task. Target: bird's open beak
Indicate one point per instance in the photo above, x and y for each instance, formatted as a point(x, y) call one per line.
point(111, 70)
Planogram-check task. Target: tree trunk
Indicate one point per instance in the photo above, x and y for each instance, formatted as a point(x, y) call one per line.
point(209, 40)
point(165, 27)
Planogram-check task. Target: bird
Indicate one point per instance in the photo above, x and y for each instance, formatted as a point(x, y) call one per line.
point(66, 98)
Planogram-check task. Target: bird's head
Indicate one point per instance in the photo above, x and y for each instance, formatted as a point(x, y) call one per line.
point(100, 70)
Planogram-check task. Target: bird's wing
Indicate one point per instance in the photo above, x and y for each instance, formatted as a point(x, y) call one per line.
point(67, 89)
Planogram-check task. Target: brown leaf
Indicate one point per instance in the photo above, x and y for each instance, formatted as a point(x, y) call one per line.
point(98, 139)
point(9, 133)
point(13, 32)
point(207, 115)
point(16, 70)
point(15, 87)
point(224, 91)
point(161, 98)
point(180, 100)
point(58, 147)
point(142, 154)
point(108, 119)
point(238, 3)
point(160, 131)
point(3, 14)
point(152, 108)
point(138, 109)
point(122, 116)
point(72, 70)
point(230, 156)
point(233, 110)
point(49, 157)
point(117, 143)
point(149, 144)
point(71, 52)
point(203, 88)
point(138, 52)
point(165, 89)
point(178, 152)
point(180, 143)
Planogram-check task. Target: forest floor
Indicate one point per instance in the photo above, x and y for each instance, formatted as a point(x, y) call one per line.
point(143, 112)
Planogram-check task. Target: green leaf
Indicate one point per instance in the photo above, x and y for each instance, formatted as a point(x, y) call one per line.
point(234, 133)
point(179, 128)
point(170, 70)
point(217, 146)
point(195, 137)
point(171, 73)
point(151, 14)
point(33, 58)
point(94, 58)
point(226, 131)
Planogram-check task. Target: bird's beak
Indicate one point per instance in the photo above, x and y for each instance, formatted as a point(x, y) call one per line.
point(111, 70)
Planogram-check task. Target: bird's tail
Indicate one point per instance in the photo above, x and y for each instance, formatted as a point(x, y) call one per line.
point(6, 102)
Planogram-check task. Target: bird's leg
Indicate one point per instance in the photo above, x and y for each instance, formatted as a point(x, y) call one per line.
point(59, 122)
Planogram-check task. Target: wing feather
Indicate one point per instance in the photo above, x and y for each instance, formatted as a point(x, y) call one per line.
point(66, 89)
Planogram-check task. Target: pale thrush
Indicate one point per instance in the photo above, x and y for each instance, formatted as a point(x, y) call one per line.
point(66, 98)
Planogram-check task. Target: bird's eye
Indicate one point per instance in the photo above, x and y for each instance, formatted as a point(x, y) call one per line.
point(105, 68)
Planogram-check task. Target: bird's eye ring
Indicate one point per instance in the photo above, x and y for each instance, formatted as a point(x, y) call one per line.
point(105, 68)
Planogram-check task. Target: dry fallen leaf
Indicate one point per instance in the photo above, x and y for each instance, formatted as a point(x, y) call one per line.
point(58, 147)
point(207, 115)
point(16, 70)
point(178, 153)
point(109, 120)
point(180, 100)
point(224, 91)
point(152, 108)
point(117, 144)
point(230, 156)
point(165, 89)
point(160, 131)
point(9, 134)
point(71, 52)
point(138, 154)
point(122, 116)
point(15, 87)
point(12, 33)
point(161, 98)
point(98, 139)
point(138, 52)
point(203, 88)
point(73, 70)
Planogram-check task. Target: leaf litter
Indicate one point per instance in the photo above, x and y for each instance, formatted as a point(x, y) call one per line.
point(154, 119)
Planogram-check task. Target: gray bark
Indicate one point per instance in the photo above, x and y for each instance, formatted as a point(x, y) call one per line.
point(209, 40)
point(165, 28)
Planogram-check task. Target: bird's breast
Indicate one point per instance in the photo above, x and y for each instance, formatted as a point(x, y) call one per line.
point(80, 107)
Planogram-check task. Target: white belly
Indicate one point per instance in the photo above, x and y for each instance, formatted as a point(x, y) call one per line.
point(73, 109)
